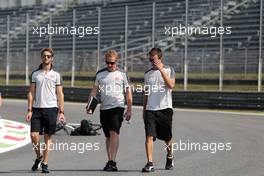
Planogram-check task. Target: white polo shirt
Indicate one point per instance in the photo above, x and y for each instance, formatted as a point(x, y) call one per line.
point(112, 87)
point(159, 95)
point(45, 95)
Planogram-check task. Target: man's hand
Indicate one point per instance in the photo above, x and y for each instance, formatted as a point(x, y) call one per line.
point(127, 115)
point(62, 118)
point(28, 117)
point(89, 112)
point(158, 64)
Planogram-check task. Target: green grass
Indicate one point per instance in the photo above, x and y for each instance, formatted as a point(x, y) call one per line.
point(209, 75)
point(191, 87)
point(178, 87)
point(79, 84)
point(212, 75)
point(15, 82)
point(198, 75)
point(197, 87)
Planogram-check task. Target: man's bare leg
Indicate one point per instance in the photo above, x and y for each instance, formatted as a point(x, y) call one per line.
point(35, 141)
point(114, 144)
point(48, 141)
point(107, 144)
point(149, 148)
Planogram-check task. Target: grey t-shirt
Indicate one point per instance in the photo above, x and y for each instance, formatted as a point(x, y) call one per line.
point(159, 95)
point(45, 95)
point(112, 87)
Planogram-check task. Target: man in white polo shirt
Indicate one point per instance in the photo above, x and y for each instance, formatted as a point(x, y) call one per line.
point(45, 104)
point(157, 107)
point(113, 85)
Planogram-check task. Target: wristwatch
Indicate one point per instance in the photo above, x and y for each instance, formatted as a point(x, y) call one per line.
point(61, 112)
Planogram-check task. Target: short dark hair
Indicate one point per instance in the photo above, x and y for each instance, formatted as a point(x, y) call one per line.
point(154, 51)
point(49, 50)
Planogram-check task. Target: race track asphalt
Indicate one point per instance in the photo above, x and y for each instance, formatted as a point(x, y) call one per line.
point(239, 152)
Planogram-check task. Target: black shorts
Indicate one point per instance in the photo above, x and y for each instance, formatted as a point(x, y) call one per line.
point(111, 120)
point(44, 119)
point(159, 124)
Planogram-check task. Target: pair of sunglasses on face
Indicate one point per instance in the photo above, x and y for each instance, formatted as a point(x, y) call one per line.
point(111, 63)
point(48, 56)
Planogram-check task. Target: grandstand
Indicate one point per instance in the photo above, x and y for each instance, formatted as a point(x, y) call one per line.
point(203, 53)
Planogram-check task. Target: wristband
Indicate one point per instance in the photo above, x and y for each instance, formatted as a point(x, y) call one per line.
point(29, 110)
point(61, 112)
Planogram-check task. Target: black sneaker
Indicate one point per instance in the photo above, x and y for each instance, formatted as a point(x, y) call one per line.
point(169, 163)
point(44, 168)
point(110, 166)
point(37, 164)
point(148, 167)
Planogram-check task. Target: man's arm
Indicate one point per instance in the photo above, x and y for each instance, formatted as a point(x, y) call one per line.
point(129, 97)
point(94, 91)
point(129, 103)
point(31, 98)
point(145, 101)
point(170, 82)
point(60, 96)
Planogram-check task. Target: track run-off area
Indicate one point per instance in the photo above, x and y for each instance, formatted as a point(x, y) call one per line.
point(205, 143)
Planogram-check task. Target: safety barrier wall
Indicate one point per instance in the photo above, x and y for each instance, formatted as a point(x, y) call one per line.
point(186, 99)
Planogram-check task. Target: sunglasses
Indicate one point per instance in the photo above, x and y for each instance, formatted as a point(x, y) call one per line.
point(111, 63)
point(48, 56)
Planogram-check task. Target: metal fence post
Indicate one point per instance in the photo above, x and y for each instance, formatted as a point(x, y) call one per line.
point(221, 59)
point(126, 28)
point(153, 23)
point(186, 46)
point(98, 39)
point(73, 51)
point(260, 48)
point(50, 35)
point(8, 51)
point(27, 48)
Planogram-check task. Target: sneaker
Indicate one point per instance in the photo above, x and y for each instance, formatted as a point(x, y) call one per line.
point(44, 168)
point(148, 167)
point(37, 164)
point(169, 163)
point(110, 166)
